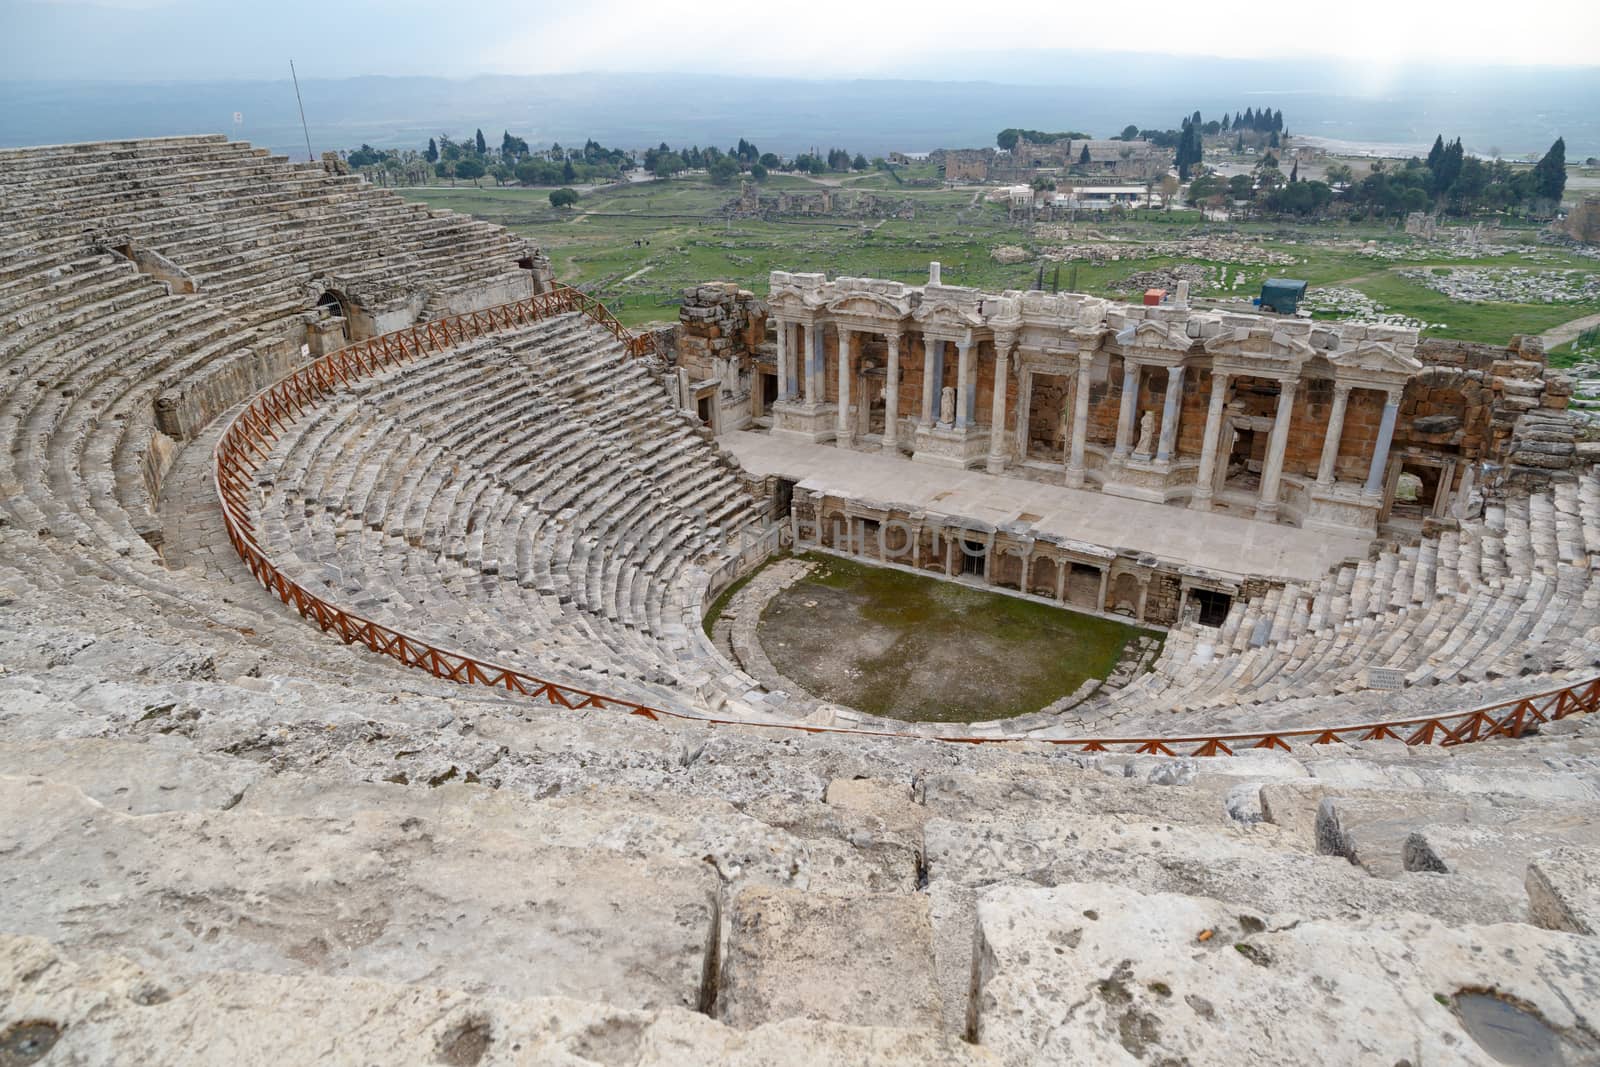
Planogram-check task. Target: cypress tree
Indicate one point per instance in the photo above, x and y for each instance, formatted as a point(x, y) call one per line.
point(1550, 173)
point(432, 154)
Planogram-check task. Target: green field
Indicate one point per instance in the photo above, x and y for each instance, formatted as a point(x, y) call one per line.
point(638, 246)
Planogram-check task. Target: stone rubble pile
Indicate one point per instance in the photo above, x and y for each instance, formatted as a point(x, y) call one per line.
point(1352, 305)
point(1512, 285)
point(1207, 248)
point(1197, 275)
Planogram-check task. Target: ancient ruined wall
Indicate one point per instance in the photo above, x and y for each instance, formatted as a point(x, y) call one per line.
point(1050, 402)
point(719, 328)
point(968, 165)
point(1512, 408)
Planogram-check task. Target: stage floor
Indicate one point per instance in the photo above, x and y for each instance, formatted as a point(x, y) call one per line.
point(1227, 545)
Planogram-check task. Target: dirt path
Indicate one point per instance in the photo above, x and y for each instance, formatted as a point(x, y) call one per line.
point(1568, 331)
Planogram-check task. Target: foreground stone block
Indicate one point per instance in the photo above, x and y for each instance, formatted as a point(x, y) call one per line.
point(1091, 973)
point(1564, 890)
point(863, 960)
point(104, 1009)
point(378, 895)
point(1257, 865)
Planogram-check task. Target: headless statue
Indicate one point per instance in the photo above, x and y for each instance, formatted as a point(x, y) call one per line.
point(1147, 435)
point(947, 405)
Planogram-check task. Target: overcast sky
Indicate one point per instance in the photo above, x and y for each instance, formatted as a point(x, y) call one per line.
point(181, 39)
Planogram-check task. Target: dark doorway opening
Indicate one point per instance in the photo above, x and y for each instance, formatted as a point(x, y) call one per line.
point(1213, 606)
point(972, 556)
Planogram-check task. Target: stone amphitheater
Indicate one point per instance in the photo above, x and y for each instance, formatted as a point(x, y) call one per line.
point(357, 703)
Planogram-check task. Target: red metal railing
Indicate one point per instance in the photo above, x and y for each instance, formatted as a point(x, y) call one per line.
point(248, 439)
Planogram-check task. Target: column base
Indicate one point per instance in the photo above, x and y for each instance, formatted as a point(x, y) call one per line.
point(1075, 478)
point(814, 423)
point(1342, 510)
point(1267, 512)
point(1140, 478)
point(946, 446)
point(1200, 503)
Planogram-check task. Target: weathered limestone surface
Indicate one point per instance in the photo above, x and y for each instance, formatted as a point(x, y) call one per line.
point(100, 1009)
point(1257, 865)
point(379, 894)
point(1564, 890)
point(863, 960)
point(1091, 973)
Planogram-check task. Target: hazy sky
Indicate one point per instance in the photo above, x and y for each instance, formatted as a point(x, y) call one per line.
point(179, 39)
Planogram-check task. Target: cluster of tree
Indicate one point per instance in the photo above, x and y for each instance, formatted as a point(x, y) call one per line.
point(1456, 183)
point(1264, 121)
point(1449, 180)
point(472, 158)
point(1008, 138)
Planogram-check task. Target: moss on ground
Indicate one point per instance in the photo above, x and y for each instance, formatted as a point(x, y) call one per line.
point(911, 647)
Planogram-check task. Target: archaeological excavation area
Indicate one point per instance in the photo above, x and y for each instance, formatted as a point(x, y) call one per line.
point(402, 661)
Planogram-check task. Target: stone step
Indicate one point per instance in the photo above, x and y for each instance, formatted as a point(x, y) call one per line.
point(1094, 973)
point(100, 1007)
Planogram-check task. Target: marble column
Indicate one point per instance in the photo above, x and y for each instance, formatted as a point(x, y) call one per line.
point(784, 377)
point(1330, 440)
point(1277, 444)
point(1169, 415)
point(1080, 422)
point(811, 334)
point(891, 396)
point(1201, 501)
point(997, 410)
point(1380, 454)
point(1024, 400)
point(965, 399)
point(1128, 414)
point(845, 432)
point(932, 374)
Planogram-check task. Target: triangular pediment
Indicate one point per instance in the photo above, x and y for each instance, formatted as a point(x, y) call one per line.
point(1162, 336)
point(869, 305)
point(1379, 357)
point(946, 316)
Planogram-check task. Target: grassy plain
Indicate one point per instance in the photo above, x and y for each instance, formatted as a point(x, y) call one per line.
point(639, 245)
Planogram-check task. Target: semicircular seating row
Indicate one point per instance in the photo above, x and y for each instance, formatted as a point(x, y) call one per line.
point(533, 499)
point(1487, 611)
point(88, 344)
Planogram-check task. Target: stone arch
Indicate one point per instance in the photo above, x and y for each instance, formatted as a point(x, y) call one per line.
point(334, 304)
point(1124, 596)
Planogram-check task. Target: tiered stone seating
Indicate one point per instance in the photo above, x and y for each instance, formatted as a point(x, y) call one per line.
point(253, 226)
point(1512, 595)
point(533, 500)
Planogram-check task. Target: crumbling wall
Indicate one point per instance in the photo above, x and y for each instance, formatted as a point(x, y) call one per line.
point(1516, 419)
point(721, 327)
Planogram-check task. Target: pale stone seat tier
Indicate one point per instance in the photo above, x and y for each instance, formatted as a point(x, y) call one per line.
point(502, 499)
point(1510, 595)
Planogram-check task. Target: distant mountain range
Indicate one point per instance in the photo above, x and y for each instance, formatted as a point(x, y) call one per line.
point(1516, 110)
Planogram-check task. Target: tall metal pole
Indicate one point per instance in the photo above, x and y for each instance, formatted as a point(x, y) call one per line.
point(304, 129)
